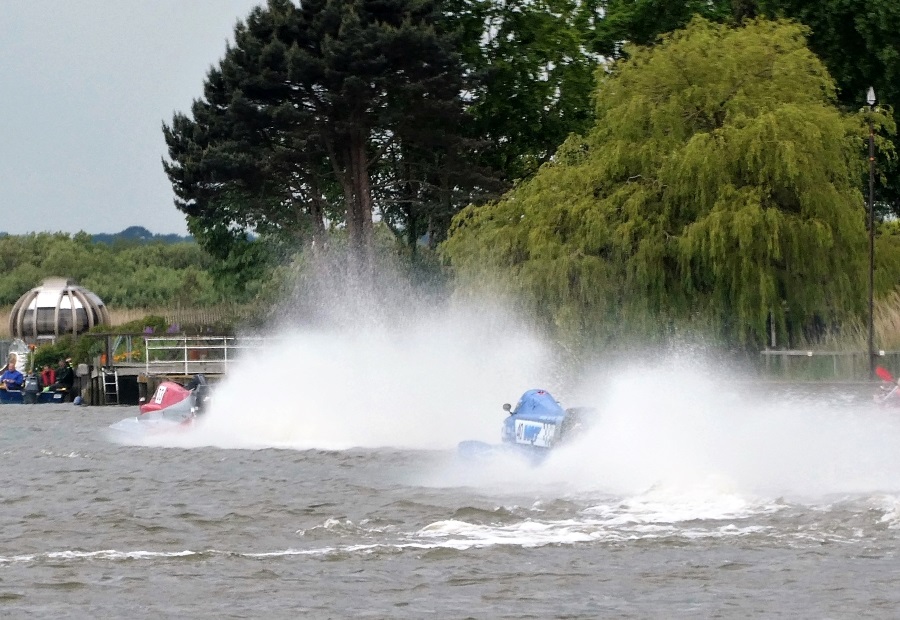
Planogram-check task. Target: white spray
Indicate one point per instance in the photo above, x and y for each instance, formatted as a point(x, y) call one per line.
point(426, 384)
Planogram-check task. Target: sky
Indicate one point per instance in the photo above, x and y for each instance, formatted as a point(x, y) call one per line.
point(85, 86)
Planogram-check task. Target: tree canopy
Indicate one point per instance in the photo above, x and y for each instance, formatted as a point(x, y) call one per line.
point(530, 73)
point(858, 40)
point(323, 114)
point(717, 191)
point(301, 112)
point(125, 273)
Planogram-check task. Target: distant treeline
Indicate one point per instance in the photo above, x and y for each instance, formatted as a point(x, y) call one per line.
point(141, 235)
point(132, 234)
point(129, 270)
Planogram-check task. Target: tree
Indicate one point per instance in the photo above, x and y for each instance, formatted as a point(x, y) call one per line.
point(641, 22)
point(858, 40)
point(128, 273)
point(717, 189)
point(499, 86)
point(530, 72)
point(300, 108)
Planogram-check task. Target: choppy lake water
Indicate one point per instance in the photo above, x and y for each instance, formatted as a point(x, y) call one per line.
point(693, 510)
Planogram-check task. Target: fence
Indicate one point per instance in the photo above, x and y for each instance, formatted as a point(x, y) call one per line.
point(806, 365)
point(189, 355)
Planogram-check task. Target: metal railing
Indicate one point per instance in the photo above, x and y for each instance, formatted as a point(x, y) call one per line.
point(802, 364)
point(190, 355)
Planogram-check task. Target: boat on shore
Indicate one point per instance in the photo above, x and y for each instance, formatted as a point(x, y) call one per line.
point(31, 393)
point(21, 397)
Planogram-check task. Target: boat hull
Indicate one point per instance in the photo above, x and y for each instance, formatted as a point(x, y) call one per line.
point(18, 397)
point(150, 424)
point(173, 408)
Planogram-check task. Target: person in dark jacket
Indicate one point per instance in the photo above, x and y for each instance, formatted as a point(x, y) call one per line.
point(65, 377)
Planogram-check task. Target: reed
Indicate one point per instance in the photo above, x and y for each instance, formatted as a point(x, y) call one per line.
point(182, 316)
point(853, 334)
point(4, 324)
point(887, 321)
point(217, 318)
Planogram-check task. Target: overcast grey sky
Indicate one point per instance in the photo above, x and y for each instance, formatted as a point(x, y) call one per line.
point(85, 86)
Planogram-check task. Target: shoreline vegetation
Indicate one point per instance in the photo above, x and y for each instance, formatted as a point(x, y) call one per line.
point(227, 317)
point(705, 184)
point(710, 190)
point(220, 318)
point(195, 299)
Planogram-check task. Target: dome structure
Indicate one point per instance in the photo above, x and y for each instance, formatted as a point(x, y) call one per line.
point(55, 308)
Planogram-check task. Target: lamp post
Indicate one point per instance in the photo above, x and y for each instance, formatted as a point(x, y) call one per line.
point(870, 99)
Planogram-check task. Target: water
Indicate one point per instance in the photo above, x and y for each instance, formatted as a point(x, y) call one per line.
point(683, 501)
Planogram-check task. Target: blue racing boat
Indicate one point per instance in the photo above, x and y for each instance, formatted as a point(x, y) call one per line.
point(536, 425)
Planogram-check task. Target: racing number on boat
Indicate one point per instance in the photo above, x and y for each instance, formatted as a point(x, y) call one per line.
point(160, 393)
point(535, 433)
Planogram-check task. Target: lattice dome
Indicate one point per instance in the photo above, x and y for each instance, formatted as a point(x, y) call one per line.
point(56, 307)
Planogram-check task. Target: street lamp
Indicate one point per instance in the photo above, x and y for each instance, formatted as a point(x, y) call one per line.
point(870, 99)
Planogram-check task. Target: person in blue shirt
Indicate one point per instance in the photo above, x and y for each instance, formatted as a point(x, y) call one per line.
point(11, 379)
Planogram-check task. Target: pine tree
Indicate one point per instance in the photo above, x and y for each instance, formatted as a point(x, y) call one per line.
point(301, 108)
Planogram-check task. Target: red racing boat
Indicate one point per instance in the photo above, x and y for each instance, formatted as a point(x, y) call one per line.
point(172, 407)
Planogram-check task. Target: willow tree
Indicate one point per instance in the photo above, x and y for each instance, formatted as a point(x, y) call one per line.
point(716, 191)
point(858, 40)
